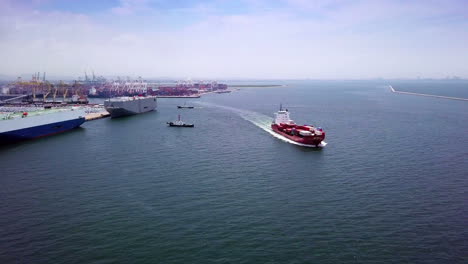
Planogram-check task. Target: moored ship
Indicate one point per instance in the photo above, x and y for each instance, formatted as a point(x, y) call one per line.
point(306, 135)
point(29, 123)
point(125, 106)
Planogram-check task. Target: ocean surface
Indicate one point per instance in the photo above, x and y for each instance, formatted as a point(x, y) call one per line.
point(390, 187)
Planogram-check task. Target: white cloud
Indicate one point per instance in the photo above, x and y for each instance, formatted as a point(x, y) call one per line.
point(349, 41)
point(129, 7)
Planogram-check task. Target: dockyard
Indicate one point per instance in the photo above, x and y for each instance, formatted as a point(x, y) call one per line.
point(39, 107)
point(39, 90)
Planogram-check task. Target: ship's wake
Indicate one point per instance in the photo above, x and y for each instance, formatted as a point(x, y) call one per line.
point(260, 120)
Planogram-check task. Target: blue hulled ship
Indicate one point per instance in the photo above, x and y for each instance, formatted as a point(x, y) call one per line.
point(22, 123)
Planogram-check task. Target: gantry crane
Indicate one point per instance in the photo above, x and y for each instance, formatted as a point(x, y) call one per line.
point(48, 90)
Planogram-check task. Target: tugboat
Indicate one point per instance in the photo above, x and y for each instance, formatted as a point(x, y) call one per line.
point(179, 123)
point(306, 135)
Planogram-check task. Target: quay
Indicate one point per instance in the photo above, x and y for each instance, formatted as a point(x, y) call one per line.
point(428, 95)
point(98, 115)
point(178, 96)
point(256, 85)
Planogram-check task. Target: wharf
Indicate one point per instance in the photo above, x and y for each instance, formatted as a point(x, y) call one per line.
point(256, 85)
point(98, 115)
point(178, 96)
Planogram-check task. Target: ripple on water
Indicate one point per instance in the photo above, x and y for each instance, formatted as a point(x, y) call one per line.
point(134, 190)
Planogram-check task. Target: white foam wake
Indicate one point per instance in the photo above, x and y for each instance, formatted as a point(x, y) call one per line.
point(262, 121)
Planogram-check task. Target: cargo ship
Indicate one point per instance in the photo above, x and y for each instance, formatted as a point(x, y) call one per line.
point(24, 123)
point(306, 135)
point(125, 106)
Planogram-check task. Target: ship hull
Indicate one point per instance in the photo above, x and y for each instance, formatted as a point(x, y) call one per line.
point(130, 107)
point(120, 112)
point(304, 140)
point(40, 131)
point(171, 124)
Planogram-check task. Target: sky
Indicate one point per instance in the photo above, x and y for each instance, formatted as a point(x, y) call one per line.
point(221, 39)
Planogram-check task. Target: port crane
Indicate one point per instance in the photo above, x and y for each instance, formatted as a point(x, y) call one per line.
point(48, 91)
point(55, 92)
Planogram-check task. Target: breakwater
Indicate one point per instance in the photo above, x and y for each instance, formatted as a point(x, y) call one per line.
point(428, 95)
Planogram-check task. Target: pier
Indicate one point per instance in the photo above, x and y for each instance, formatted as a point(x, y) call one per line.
point(428, 95)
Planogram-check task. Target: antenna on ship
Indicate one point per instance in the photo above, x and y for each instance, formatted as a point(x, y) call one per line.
point(281, 107)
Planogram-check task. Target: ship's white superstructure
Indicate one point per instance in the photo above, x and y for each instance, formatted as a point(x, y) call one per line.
point(282, 117)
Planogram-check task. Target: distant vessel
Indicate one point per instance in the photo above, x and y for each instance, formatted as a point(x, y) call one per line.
point(125, 106)
point(306, 135)
point(223, 91)
point(185, 106)
point(28, 123)
point(179, 123)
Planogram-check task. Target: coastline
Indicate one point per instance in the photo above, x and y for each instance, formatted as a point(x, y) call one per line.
point(179, 96)
point(256, 85)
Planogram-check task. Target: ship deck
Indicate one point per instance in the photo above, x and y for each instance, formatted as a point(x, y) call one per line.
point(7, 113)
point(95, 116)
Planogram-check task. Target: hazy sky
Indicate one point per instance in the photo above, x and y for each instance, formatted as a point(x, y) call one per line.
point(236, 39)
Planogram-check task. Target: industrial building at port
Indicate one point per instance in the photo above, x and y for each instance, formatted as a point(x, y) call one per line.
point(39, 90)
point(136, 87)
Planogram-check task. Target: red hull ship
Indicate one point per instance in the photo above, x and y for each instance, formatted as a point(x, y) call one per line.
point(305, 135)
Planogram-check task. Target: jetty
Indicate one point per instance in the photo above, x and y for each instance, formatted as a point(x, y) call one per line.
point(428, 95)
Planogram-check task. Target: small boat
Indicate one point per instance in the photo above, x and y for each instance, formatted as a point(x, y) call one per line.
point(179, 123)
point(185, 106)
